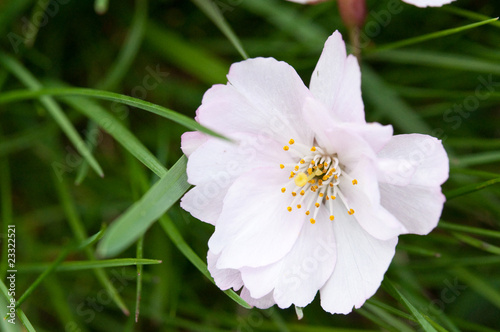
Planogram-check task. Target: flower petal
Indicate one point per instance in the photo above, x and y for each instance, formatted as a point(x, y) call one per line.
point(302, 272)
point(430, 3)
point(413, 159)
point(417, 208)
point(191, 140)
point(261, 303)
point(224, 278)
point(263, 97)
point(255, 229)
point(216, 164)
point(361, 263)
point(336, 82)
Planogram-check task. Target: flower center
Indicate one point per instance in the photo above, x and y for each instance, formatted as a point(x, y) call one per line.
point(314, 181)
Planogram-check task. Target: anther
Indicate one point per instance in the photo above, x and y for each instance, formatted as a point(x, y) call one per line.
point(312, 221)
point(286, 148)
point(317, 205)
point(313, 148)
point(299, 206)
point(291, 141)
point(307, 212)
point(282, 166)
point(354, 182)
point(289, 209)
point(351, 212)
point(294, 194)
point(332, 217)
point(283, 190)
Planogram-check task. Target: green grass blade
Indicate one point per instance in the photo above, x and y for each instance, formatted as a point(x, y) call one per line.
point(478, 159)
point(468, 189)
point(430, 36)
point(6, 213)
point(192, 59)
point(181, 119)
point(468, 229)
point(213, 12)
point(385, 316)
point(403, 300)
point(92, 136)
point(461, 63)
point(4, 310)
point(479, 244)
point(53, 108)
point(468, 14)
point(118, 131)
point(87, 265)
point(479, 285)
point(131, 46)
point(185, 249)
point(389, 104)
point(137, 219)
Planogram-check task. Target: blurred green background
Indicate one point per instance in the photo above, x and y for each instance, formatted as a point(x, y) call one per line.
point(169, 53)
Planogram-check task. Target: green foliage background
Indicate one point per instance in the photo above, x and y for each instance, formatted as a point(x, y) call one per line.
point(417, 75)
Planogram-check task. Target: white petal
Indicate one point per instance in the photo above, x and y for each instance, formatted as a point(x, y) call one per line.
point(413, 159)
point(430, 3)
point(336, 82)
point(417, 208)
point(255, 229)
point(261, 303)
point(192, 140)
point(361, 263)
point(297, 277)
point(364, 198)
point(224, 278)
point(263, 97)
point(216, 164)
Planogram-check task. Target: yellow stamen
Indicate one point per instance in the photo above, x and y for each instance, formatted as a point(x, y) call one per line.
point(291, 141)
point(286, 148)
point(309, 171)
point(302, 161)
point(292, 174)
point(354, 181)
point(289, 209)
point(296, 168)
point(302, 192)
point(307, 212)
point(321, 194)
point(320, 182)
point(313, 148)
point(312, 221)
point(299, 206)
point(294, 194)
point(283, 190)
point(333, 197)
point(336, 177)
point(351, 212)
point(317, 205)
point(332, 217)
point(282, 166)
point(331, 184)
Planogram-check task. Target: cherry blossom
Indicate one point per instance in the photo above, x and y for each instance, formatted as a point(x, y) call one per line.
point(307, 196)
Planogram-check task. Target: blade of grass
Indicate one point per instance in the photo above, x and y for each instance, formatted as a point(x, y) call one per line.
point(384, 315)
point(478, 284)
point(138, 218)
point(469, 229)
point(138, 292)
point(389, 104)
point(52, 107)
point(471, 188)
point(213, 12)
point(437, 59)
point(391, 289)
point(478, 159)
point(91, 138)
point(4, 310)
point(118, 131)
point(181, 119)
point(467, 14)
point(176, 237)
point(129, 50)
point(430, 36)
point(188, 57)
point(81, 235)
point(88, 265)
point(481, 245)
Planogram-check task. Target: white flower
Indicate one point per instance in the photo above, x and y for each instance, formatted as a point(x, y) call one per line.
point(310, 197)
point(418, 3)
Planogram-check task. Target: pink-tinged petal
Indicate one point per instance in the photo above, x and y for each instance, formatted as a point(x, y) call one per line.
point(336, 82)
point(214, 166)
point(361, 263)
point(255, 229)
point(413, 159)
point(263, 97)
point(224, 278)
point(261, 303)
point(417, 208)
point(192, 140)
point(428, 3)
point(297, 277)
